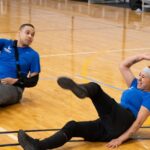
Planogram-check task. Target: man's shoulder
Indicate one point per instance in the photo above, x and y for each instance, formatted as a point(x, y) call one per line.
point(32, 51)
point(5, 43)
point(6, 40)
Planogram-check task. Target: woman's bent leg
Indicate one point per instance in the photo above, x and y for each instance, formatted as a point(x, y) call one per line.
point(115, 118)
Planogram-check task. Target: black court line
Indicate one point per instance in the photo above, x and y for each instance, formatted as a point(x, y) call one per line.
point(44, 130)
point(17, 144)
point(145, 127)
point(34, 130)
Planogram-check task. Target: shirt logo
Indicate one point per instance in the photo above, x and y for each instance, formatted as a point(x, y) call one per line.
point(8, 50)
point(131, 88)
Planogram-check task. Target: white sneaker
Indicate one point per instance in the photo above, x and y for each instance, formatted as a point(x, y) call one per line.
point(138, 10)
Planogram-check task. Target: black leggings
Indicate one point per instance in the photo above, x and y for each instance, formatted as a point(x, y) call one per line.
point(113, 118)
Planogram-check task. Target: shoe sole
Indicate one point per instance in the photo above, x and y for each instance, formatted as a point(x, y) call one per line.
point(69, 84)
point(23, 141)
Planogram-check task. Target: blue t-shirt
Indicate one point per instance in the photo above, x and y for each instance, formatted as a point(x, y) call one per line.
point(28, 59)
point(133, 98)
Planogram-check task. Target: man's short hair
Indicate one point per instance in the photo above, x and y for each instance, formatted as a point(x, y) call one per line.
point(26, 24)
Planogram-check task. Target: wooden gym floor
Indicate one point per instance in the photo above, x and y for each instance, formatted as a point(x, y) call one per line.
point(80, 40)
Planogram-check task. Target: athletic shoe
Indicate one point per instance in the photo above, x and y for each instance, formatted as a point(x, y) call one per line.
point(138, 10)
point(27, 142)
point(78, 89)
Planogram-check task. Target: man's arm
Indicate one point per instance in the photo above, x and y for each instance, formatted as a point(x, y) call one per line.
point(142, 116)
point(30, 81)
point(127, 63)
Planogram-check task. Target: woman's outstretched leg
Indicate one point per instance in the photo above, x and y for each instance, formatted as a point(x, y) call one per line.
point(88, 130)
point(28, 143)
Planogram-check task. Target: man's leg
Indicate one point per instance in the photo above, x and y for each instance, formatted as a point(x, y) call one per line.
point(9, 94)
